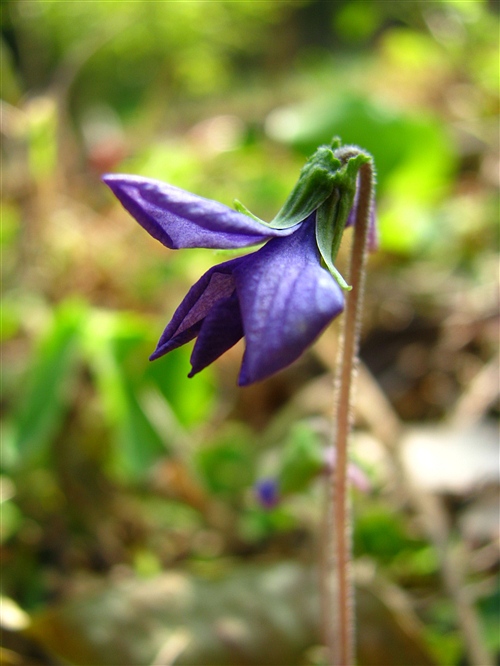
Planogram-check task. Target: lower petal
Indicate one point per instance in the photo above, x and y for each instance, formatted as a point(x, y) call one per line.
point(186, 323)
point(221, 330)
point(286, 300)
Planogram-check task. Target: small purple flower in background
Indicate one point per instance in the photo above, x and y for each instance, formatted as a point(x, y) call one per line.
point(280, 297)
point(267, 493)
point(300, 467)
point(356, 475)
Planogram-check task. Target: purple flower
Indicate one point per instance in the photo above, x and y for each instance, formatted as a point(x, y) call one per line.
point(355, 474)
point(279, 298)
point(267, 493)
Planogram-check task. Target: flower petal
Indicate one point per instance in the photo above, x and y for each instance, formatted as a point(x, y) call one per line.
point(221, 329)
point(286, 300)
point(180, 219)
point(187, 321)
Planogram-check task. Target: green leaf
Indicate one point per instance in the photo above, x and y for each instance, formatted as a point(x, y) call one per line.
point(138, 444)
point(302, 459)
point(110, 340)
point(12, 520)
point(227, 464)
point(191, 399)
point(49, 385)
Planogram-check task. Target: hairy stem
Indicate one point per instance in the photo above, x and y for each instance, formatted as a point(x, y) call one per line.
point(340, 638)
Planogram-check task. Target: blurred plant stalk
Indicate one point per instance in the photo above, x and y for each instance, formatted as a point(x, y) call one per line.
point(390, 431)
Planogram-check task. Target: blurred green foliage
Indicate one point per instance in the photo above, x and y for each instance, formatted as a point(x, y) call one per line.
point(115, 468)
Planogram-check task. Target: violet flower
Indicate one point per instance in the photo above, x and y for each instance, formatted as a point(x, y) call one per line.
point(280, 297)
point(267, 493)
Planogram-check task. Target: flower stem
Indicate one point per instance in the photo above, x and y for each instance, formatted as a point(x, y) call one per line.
point(341, 636)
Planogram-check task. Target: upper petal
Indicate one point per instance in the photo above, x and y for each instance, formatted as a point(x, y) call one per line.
point(286, 300)
point(180, 219)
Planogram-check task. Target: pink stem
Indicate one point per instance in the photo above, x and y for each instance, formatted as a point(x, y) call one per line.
point(341, 638)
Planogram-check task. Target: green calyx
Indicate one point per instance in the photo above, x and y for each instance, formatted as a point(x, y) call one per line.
point(327, 184)
point(332, 214)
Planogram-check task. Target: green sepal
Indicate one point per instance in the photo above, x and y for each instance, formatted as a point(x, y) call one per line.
point(329, 234)
point(327, 184)
point(335, 143)
point(314, 186)
point(243, 209)
point(332, 215)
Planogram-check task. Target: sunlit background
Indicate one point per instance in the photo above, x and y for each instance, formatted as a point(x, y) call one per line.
point(131, 531)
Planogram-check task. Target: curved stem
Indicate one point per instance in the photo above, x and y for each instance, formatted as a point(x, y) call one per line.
point(341, 639)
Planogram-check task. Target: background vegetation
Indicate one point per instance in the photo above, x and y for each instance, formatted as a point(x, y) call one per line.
point(131, 532)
